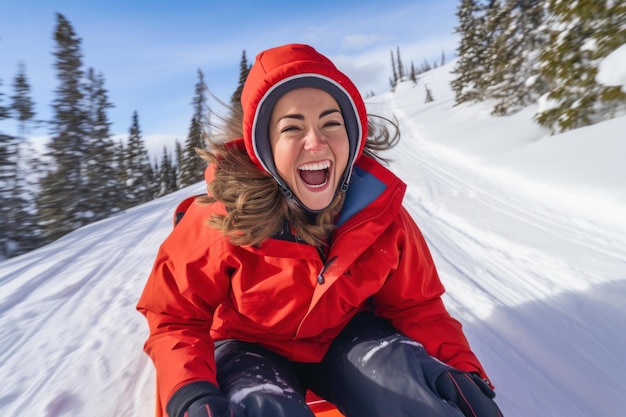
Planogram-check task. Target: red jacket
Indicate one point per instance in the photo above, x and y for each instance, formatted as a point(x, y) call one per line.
point(284, 296)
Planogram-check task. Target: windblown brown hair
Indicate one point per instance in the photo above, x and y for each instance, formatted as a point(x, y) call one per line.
point(255, 204)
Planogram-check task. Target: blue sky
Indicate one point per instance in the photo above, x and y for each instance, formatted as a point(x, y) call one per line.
point(149, 51)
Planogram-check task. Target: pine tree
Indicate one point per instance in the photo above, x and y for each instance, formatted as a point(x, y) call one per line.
point(569, 62)
point(426, 66)
point(4, 110)
point(180, 158)
point(429, 95)
point(138, 175)
point(394, 72)
point(232, 121)
point(104, 191)
point(8, 163)
point(166, 174)
point(22, 104)
point(172, 179)
point(399, 64)
point(26, 233)
point(121, 173)
point(244, 69)
point(61, 202)
point(472, 53)
point(513, 76)
point(192, 167)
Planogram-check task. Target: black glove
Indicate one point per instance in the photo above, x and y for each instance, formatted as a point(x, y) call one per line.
point(202, 399)
point(469, 392)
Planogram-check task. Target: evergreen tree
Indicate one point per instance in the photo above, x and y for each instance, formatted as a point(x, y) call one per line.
point(394, 72)
point(104, 191)
point(399, 64)
point(8, 163)
point(580, 34)
point(61, 202)
point(472, 53)
point(244, 68)
point(121, 173)
point(191, 170)
point(513, 76)
point(24, 225)
point(233, 119)
point(22, 104)
point(167, 174)
point(138, 175)
point(429, 95)
point(426, 66)
point(4, 110)
point(180, 157)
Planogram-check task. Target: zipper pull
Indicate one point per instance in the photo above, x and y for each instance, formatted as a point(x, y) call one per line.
point(320, 276)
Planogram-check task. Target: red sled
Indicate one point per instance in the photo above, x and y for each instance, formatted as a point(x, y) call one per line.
point(321, 407)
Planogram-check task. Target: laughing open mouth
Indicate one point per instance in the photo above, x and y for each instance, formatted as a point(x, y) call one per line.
point(315, 175)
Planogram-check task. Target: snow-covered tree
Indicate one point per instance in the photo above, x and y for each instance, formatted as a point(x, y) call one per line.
point(580, 33)
point(472, 52)
point(513, 77)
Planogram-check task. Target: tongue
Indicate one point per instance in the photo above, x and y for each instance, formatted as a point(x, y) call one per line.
point(313, 177)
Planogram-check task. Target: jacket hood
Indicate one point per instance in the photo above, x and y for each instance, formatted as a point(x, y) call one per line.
point(281, 69)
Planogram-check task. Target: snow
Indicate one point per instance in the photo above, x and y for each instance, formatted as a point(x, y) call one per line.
point(612, 70)
point(528, 232)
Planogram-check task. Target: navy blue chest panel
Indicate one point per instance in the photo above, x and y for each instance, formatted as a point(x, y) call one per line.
point(364, 189)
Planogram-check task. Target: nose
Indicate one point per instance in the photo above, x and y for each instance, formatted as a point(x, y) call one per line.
point(314, 141)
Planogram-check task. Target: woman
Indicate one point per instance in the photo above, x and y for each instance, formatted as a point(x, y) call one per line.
point(301, 270)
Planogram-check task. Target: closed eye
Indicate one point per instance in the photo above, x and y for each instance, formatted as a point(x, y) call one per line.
point(289, 129)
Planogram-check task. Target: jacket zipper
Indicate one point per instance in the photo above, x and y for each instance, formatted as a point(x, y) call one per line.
point(320, 276)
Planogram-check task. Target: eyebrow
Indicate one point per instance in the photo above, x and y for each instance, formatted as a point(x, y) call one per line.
point(301, 117)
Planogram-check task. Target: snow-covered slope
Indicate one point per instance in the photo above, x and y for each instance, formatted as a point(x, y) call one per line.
point(528, 232)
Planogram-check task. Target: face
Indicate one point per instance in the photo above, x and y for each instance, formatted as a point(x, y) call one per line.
point(310, 145)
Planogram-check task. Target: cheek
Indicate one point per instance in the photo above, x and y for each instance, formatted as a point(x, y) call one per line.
point(284, 157)
point(341, 154)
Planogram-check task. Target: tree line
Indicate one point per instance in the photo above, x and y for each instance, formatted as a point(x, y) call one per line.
point(84, 175)
point(514, 53)
point(519, 52)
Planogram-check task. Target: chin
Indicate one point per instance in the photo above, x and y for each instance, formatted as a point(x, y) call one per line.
point(316, 204)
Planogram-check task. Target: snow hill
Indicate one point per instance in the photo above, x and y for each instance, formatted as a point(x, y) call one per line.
point(528, 233)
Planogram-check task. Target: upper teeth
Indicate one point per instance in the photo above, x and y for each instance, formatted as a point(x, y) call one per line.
point(315, 166)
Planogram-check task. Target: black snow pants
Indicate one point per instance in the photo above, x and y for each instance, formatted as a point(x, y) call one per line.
point(370, 370)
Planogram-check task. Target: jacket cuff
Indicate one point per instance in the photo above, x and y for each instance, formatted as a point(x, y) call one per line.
point(187, 394)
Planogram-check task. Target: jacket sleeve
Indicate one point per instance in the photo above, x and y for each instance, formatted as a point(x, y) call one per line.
point(178, 301)
point(411, 300)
